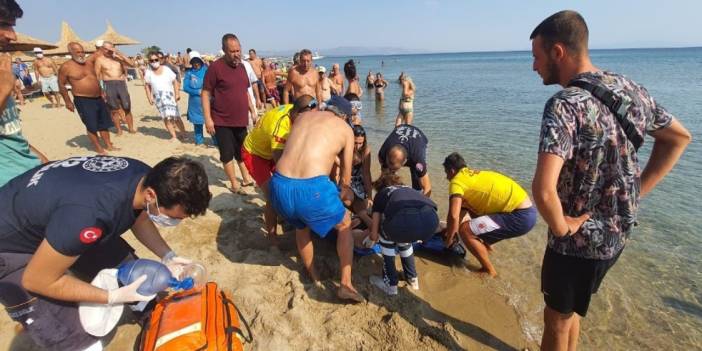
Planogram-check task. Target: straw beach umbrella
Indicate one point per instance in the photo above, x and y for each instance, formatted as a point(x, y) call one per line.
point(67, 36)
point(26, 43)
point(115, 38)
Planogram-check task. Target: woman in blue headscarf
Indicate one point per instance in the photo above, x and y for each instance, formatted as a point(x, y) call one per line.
point(192, 84)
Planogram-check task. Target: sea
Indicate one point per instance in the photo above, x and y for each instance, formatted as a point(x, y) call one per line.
point(488, 107)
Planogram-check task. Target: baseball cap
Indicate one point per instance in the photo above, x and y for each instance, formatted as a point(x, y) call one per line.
point(321, 69)
point(343, 105)
point(37, 50)
point(98, 43)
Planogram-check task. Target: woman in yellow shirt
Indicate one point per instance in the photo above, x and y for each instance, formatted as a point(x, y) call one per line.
point(484, 208)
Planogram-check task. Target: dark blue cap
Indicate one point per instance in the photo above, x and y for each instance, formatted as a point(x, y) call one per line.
point(342, 104)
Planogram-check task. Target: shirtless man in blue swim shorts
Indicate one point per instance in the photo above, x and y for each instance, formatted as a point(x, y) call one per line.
point(302, 193)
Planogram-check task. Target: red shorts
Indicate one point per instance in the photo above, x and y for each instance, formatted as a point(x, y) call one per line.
point(259, 168)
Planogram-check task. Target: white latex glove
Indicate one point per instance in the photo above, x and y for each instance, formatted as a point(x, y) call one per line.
point(128, 293)
point(368, 242)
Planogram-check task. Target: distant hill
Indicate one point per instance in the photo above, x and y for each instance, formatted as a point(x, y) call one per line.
point(350, 51)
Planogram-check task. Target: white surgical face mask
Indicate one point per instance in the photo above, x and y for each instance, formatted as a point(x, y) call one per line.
point(40, 55)
point(160, 218)
point(155, 65)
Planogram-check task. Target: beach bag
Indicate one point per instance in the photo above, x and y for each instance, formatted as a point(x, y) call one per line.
point(203, 318)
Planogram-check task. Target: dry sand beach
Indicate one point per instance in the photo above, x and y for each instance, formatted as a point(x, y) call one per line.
point(455, 309)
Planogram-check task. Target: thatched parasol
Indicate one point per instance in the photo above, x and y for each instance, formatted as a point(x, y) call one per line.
point(22, 56)
point(115, 38)
point(26, 43)
point(67, 36)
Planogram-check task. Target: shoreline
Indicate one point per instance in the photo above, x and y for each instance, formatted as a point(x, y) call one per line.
point(455, 309)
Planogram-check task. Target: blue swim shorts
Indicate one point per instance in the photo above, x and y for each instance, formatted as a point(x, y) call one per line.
point(312, 202)
point(499, 226)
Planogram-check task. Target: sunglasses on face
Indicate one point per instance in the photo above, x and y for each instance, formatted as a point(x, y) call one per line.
point(154, 60)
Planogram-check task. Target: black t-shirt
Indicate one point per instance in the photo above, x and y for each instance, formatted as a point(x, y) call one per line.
point(414, 141)
point(74, 204)
point(394, 198)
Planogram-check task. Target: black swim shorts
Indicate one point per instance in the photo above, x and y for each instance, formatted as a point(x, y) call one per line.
point(93, 112)
point(117, 95)
point(568, 282)
point(229, 141)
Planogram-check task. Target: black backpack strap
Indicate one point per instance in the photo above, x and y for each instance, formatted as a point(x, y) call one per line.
point(231, 328)
point(619, 105)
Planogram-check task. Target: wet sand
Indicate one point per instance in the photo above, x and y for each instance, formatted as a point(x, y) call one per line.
point(454, 308)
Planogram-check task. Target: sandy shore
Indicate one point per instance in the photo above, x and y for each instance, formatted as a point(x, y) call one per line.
point(454, 309)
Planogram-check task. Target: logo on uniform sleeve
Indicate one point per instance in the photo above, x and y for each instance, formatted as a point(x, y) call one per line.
point(90, 235)
point(105, 164)
point(419, 167)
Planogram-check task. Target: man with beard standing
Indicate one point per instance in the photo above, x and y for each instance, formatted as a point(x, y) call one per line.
point(588, 181)
point(87, 97)
point(227, 113)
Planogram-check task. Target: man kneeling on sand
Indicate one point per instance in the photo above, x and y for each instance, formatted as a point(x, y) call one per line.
point(304, 195)
point(263, 147)
point(484, 208)
point(62, 223)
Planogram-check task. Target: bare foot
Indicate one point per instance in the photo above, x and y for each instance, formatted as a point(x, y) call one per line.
point(238, 190)
point(349, 293)
point(485, 272)
point(113, 148)
point(132, 131)
point(102, 153)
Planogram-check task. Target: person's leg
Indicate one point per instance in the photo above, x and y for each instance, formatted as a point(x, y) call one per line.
point(477, 248)
point(57, 96)
point(179, 124)
point(231, 174)
point(170, 128)
point(105, 135)
point(50, 97)
point(130, 121)
point(557, 330)
point(239, 136)
point(199, 136)
point(269, 216)
point(407, 259)
point(93, 137)
point(344, 248)
point(409, 117)
point(116, 119)
point(574, 333)
point(399, 119)
point(306, 250)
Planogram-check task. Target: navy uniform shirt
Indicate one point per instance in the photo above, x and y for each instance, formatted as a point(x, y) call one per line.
point(74, 204)
point(414, 141)
point(394, 198)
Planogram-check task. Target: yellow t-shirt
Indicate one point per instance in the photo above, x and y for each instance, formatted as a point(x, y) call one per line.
point(487, 192)
point(269, 133)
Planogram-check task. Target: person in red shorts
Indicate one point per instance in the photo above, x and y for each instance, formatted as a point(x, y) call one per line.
point(264, 145)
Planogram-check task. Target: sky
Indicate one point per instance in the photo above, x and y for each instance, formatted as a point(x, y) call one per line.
point(417, 25)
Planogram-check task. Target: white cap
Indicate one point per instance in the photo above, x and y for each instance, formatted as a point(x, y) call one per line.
point(99, 319)
point(38, 50)
point(98, 43)
point(321, 69)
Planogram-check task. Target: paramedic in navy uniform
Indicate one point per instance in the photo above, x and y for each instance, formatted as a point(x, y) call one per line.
point(68, 216)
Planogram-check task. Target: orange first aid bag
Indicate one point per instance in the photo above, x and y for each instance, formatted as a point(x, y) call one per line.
point(197, 319)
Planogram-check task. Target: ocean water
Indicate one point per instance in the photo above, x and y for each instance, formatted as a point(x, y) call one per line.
point(488, 106)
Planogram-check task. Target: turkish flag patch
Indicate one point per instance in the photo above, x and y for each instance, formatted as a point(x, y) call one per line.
point(90, 235)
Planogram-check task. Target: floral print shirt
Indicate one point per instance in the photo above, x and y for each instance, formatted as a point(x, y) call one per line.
point(601, 173)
